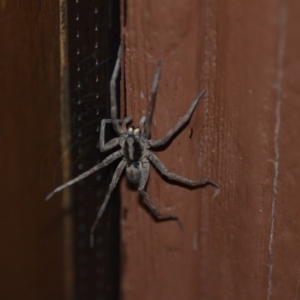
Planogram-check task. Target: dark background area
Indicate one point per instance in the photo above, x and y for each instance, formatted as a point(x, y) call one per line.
point(94, 31)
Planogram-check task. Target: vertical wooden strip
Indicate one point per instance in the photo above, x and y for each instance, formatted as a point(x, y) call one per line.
point(65, 120)
point(31, 230)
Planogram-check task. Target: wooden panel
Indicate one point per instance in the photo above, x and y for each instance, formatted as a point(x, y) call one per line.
point(233, 49)
point(31, 230)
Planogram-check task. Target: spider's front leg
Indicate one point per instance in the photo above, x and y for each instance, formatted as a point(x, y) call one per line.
point(148, 118)
point(113, 97)
point(115, 141)
point(110, 144)
point(172, 132)
point(147, 199)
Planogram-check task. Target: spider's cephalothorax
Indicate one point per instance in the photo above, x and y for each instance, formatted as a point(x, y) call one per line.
point(134, 152)
point(135, 145)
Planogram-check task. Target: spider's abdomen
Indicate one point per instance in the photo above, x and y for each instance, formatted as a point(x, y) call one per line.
point(134, 148)
point(133, 172)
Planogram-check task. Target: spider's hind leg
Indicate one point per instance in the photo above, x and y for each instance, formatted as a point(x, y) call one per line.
point(155, 210)
point(146, 198)
point(112, 185)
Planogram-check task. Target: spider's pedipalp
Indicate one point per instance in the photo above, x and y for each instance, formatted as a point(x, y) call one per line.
point(142, 124)
point(191, 182)
point(113, 100)
point(104, 163)
point(178, 126)
point(125, 122)
point(112, 185)
point(147, 124)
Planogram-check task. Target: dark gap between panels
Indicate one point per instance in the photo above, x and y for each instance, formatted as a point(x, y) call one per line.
point(94, 37)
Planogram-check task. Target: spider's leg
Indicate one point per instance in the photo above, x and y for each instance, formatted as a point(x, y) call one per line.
point(104, 163)
point(114, 142)
point(112, 185)
point(110, 144)
point(163, 141)
point(113, 97)
point(156, 212)
point(191, 182)
point(148, 201)
point(148, 119)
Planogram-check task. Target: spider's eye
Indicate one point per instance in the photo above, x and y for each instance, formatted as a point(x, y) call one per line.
point(136, 131)
point(130, 130)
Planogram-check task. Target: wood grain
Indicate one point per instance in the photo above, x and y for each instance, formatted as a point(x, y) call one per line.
point(234, 50)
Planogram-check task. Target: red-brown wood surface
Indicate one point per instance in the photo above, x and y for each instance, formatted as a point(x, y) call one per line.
point(241, 242)
point(31, 230)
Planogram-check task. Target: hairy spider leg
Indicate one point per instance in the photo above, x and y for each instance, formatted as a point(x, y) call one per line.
point(110, 144)
point(115, 141)
point(191, 182)
point(148, 120)
point(112, 185)
point(147, 199)
point(108, 160)
point(113, 98)
point(163, 141)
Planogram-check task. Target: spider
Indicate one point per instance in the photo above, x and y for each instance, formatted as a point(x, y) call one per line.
point(134, 150)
